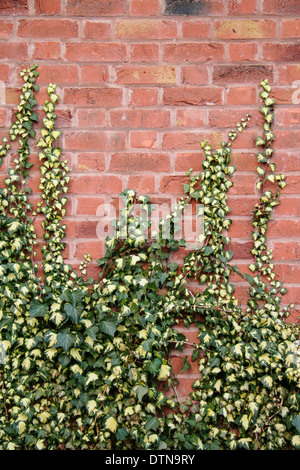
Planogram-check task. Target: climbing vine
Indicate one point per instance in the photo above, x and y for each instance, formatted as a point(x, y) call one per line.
point(87, 361)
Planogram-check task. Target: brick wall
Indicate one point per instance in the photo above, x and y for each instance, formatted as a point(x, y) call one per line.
point(141, 83)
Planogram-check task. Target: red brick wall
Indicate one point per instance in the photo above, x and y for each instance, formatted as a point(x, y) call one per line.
point(142, 82)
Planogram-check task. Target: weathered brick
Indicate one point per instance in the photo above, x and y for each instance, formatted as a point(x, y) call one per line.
point(94, 140)
point(290, 28)
point(143, 139)
point(137, 162)
point(11, 7)
point(190, 117)
point(241, 95)
point(13, 51)
point(173, 140)
point(144, 52)
point(281, 52)
point(193, 7)
point(242, 7)
point(143, 96)
point(288, 73)
point(194, 74)
point(140, 118)
point(287, 7)
point(6, 29)
point(48, 28)
point(93, 96)
point(245, 29)
point(96, 7)
point(94, 73)
point(91, 118)
point(96, 52)
point(182, 96)
point(195, 29)
point(194, 52)
point(142, 184)
point(242, 73)
point(243, 52)
point(95, 184)
point(147, 74)
point(44, 7)
point(64, 74)
point(47, 50)
point(88, 205)
point(144, 7)
point(146, 29)
point(97, 30)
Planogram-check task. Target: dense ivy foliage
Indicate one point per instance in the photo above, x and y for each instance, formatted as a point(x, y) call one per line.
point(87, 361)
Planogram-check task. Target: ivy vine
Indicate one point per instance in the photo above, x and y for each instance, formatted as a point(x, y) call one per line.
point(87, 361)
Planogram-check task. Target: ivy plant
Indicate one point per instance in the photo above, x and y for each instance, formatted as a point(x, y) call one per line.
point(87, 361)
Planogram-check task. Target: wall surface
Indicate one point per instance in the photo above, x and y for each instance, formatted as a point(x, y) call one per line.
point(141, 82)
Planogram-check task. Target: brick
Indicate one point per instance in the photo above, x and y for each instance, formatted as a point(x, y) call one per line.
point(142, 184)
point(4, 72)
point(287, 139)
point(287, 250)
point(241, 206)
point(144, 7)
point(190, 117)
point(285, 95)
point(144, 52)
point(290, 28)
point(143, 139)
point(44, 7)
point(64, 74)
point(243, 184)
point(242, 7)
point(146, 29)
point(281, 52)
point(173, 140)
point(143, 96)
point(223, 118)
point(91, 162)
point(244, 161)
point(284, 228)
point(96, 52)
point(94, 248)
point(289, 206)
point(95, 184)
point(136, 162)
point(93, 96)
point(287, 7)
point(245, 29)
point(195, 29)
point(97, 30)
point(195, 52)
point(184, 161)
point(94, 74)
point(47, 28)
point(243, 51)
point(140, 118)
point(96, 7)
point(288, 117)
point(147, 74)
point(197, 96)
point(11, 7)
point(241, 73)
point(193, 7)
point(6, 29)
point(172, 184)
point(88, 205)
point(13, 51)
point(47, 50)
point(194, 74)
point(94, 140)
point(288, 73)
point(91, 118)
point(241, 95)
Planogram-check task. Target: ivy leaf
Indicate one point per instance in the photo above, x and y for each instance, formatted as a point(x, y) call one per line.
point(121, 434)
point(73, 312)
point(152, 423)
point(186, 365)
point(38, 309)
point(140, 391)
point(66, 339)
point(267, 381)
point(154, 366)
point(296, 422)
point(108, 327)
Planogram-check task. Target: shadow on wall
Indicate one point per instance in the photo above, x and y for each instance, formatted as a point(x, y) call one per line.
point(187, 7)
